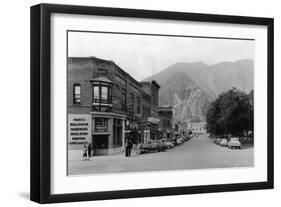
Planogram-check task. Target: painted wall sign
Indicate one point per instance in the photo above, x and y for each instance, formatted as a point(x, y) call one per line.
point(79, 130)
point(116, 102)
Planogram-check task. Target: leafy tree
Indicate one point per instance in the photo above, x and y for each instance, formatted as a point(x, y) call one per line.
point(231, 114)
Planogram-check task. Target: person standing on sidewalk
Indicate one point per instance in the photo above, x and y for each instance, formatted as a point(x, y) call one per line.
point(89, 151)
point(130, 146)
point(84, 152)
point(127, 148)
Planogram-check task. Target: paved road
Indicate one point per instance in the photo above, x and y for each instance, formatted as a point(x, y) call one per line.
point(197, 153)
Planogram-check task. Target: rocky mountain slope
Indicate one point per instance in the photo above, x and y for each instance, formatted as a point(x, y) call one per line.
point(190, 87)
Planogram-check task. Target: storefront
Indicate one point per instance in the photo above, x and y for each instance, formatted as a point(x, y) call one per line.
point(154, 128)
point(108, 133)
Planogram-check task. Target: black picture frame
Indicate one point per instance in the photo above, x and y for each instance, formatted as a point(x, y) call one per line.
point(41, 95)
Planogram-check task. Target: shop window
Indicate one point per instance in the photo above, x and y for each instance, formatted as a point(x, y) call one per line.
point(101, 125)
point(76, 93)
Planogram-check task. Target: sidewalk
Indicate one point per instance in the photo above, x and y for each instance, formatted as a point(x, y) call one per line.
point(74, 155)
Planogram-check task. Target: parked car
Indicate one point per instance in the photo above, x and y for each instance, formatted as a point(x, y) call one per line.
point(186, 138)
point(182, 139)
point(174, 141)
point(224, 143)
point(153, 146)
point(218, 140)
point(234, 143)
point(179, 141)
point(169, 144)
point(161, 145)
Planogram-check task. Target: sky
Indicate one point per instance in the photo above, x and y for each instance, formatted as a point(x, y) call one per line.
point(144, 55)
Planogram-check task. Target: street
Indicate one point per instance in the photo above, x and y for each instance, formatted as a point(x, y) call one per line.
point(198, 153)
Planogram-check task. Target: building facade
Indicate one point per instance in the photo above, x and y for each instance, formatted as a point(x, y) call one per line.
point(166, 121)
point(197, 127)
point(104, 104)
point(152, 120)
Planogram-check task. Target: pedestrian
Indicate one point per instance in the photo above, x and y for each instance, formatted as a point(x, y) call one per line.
point(89, 151)
point(130, 146)
point(94, 148)
point(127, 148)
point(84, 151)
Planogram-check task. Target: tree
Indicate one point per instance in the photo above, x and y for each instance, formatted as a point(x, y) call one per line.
point(230, 114)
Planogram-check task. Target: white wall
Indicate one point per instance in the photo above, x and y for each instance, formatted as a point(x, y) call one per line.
point(14, 151)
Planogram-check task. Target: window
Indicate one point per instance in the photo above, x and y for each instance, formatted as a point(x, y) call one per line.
point(77, 94)
point(124, 101)
point(138, 105)
point(104, 93)
point(132, 101)
point(101, 125)
point(96, 94)
point(102, 99)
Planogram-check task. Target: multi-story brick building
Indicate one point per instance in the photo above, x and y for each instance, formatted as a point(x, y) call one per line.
point(166, 121)
point(104, 104)
point(152, 120)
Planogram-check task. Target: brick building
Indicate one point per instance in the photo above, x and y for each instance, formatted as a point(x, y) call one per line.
point(152, 120)
point(166, 121)
point(105, 104)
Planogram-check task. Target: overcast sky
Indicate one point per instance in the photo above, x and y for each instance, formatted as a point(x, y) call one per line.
point(136, 54)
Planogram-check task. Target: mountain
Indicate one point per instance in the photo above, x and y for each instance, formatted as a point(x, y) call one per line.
point(190, 87)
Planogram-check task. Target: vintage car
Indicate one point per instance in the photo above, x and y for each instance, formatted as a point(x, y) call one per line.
point(179, 141)
point(169, 144)
point(153, 146)
point(234, 143)
point(174, 141)
point(217, 140)
point(224, 143)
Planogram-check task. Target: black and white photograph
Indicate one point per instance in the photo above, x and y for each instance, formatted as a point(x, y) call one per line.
point(133, 103)
point(140, 102)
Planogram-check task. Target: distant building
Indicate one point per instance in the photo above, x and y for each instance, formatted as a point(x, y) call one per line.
point(197, 127)
point(105, 104)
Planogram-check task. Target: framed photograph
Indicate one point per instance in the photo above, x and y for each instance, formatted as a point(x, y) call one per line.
point(133, 103)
